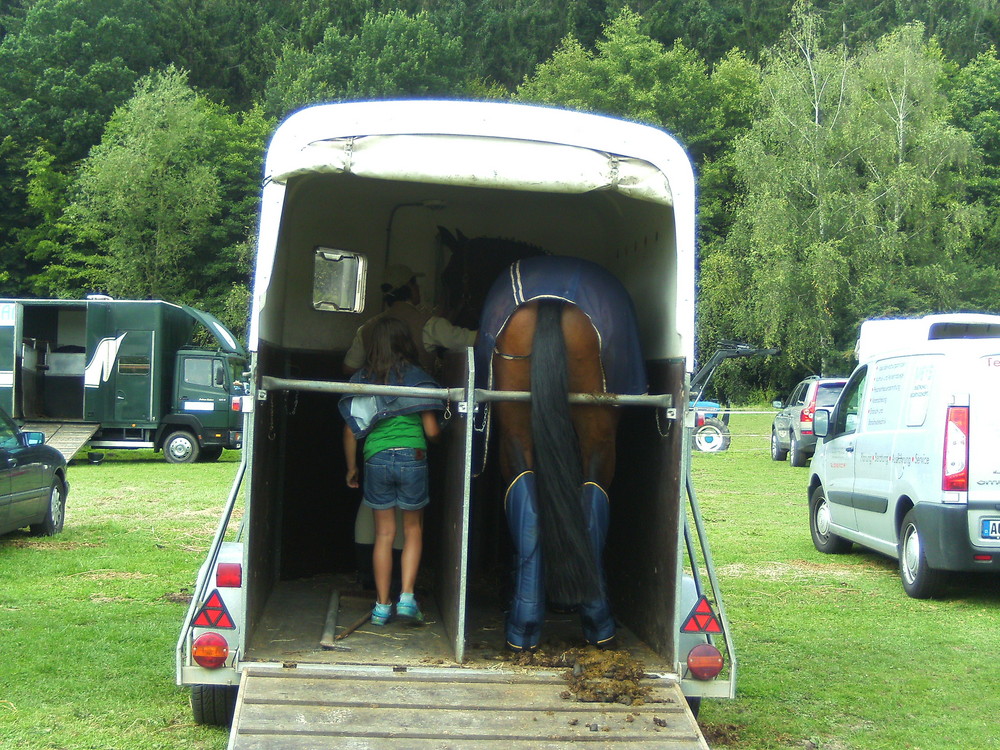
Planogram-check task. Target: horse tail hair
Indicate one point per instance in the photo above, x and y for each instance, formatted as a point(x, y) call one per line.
point(571, 571)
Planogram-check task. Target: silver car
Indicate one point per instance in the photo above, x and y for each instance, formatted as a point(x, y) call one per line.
point(792, 428)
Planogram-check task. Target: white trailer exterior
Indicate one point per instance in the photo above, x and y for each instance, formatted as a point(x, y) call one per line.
point(349, 189)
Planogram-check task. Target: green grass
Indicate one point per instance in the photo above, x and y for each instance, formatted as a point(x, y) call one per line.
point(832, 653)
point(89, 618)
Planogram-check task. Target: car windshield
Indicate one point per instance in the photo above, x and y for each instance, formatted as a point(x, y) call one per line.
point(826, 394)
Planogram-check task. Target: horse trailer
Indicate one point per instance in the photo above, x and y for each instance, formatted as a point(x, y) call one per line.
point(275, 641)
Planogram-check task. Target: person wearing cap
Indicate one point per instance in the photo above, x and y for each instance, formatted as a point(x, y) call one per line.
point(401, 294)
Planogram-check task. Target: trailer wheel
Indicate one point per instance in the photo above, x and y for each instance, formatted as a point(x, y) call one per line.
point(819, 526)
point(211, 453)
point(213, 704)
point(712, 437)
point(777, 452)
point(920, 580)
point(55, 516)
point(180, 447)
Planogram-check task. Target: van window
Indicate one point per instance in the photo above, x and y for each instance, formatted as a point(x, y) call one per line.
point(850, 404)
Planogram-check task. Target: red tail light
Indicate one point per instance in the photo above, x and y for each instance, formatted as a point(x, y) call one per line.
point(210, 651)
point(704, 662)
point(955, 477)
point(806, 417)
point(235, 403)
point(229, 575)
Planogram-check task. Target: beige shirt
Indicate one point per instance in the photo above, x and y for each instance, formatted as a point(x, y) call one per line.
point(436, 332)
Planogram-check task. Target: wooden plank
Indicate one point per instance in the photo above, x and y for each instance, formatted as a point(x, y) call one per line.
point(292, 709)
point(66, 437)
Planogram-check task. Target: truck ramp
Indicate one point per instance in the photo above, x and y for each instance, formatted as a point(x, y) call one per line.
point(67, 437)
point(378, 708)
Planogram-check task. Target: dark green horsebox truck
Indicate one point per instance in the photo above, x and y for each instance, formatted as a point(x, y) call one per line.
point(116, 374)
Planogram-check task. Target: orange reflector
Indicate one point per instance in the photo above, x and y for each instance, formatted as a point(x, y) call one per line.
point(702, 619)
point(210, 650)
point(214, 614)
point(229, 575)
point(704, 662)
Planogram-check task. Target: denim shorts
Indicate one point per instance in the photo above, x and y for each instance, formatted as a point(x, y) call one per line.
point(397, 478)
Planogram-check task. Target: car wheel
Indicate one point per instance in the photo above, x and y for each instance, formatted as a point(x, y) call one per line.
point(797, 456)
point(713, 436)
point(920, 580)
point(55, 516)
point(819, 526)
point(211, 453)
point(213, 704)
point(777, 452)
point(180, 447)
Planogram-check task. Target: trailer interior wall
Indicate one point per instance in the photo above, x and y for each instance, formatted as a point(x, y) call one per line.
point(303, 513)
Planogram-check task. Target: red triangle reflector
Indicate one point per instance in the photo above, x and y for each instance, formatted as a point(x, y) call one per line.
point(214, 614)
point(702, 619)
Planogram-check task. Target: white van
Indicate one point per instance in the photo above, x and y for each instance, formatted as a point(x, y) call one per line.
point(909, 462)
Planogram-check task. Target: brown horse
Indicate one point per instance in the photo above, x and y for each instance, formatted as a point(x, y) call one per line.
point(474, 264)
point(553, 326)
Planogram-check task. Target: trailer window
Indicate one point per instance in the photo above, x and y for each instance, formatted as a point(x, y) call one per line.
point(339, 280)
point(133, 365)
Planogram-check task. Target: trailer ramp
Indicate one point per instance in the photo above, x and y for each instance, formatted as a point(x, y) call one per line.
point(66, 437)
point(378, 708)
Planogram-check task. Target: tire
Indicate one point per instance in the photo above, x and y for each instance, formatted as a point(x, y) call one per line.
point(920, 580)
point(712, 437)
point(213, 704)
point(796, 456)
point(181, 447)
point(211, 453)
point(55, 515)
point(777, 452)
point(819, 526)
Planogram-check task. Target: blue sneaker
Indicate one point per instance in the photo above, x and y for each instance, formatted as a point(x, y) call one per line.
point(408, 608)
point(381, 613)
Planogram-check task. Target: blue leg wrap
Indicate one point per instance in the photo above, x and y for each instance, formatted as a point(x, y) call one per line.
point(527, 611)
point(595, 616)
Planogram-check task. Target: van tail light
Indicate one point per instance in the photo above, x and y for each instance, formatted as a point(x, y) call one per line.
point(704, 662)
point(955, 477)
point(210, 650)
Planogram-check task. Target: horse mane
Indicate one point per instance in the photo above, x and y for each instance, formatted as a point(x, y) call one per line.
point(558, 467)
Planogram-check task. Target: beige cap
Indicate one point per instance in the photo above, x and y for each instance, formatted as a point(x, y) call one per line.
point(396, 276)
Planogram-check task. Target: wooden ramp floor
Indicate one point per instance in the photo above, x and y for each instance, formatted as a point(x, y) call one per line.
point(446, 709)
point(67, 437)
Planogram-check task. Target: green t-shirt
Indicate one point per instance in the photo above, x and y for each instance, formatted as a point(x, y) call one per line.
point(406, 431)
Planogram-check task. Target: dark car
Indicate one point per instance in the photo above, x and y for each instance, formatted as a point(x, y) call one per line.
point(791, 430)
point(33, 484)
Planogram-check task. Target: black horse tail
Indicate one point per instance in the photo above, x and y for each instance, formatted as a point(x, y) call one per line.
point(571, 572)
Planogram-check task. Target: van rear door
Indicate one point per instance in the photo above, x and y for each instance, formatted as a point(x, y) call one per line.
point(984, 451)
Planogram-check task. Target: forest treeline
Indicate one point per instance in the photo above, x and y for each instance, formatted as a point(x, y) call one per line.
point(847, 151)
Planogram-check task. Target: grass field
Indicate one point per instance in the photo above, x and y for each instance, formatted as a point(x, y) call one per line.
point(832, 653)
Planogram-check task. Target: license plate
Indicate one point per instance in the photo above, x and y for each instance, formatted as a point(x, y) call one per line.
point(991, 528)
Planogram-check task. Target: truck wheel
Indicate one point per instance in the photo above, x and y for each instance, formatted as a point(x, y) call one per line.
point(180, 447)
point(920, 580)
point(777, 452)
point(55, 516)
point(797, 457)
point(213, 704)
point(819, 526)
point(211, 453)
point(712, 437)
